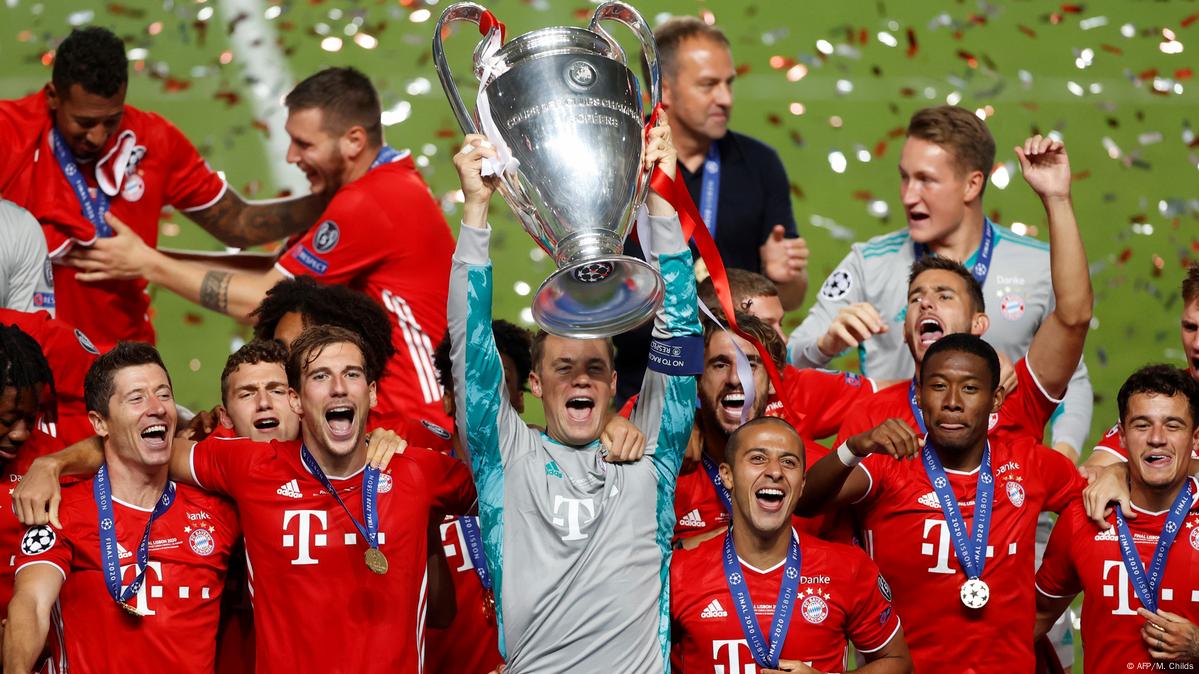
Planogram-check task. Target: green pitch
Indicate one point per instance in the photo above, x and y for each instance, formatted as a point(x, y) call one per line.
point(830, 85)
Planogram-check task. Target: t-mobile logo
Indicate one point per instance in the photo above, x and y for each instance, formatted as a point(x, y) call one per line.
point(153, 572)
point(730, 661)
point(1121, 588)
point(941, 547)
point(571, 521)
point(305, 538)
point(453, 541)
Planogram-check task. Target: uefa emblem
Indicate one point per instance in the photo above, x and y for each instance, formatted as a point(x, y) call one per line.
point(385, 483)
point(940, 483)
point(327, 236)
point(814, 609)
point(201, 542)
point(884, 588)
point(734, 579)
point(1015, 493)
point(37, 540)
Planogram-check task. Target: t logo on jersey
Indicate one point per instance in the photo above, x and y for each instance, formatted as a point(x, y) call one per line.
point(941, 549)
point(453, 541)
point(305, 538)
point(1121, 588)
point(571, 522)
point(731, 662)
point(153, 570)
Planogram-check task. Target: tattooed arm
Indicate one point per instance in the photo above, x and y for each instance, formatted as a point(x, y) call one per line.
point(237, 222)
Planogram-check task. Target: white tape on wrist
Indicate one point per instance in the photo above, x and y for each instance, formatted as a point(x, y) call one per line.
point(847, 457)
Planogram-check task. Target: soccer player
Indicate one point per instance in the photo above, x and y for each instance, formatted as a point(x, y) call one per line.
point(26, 279)
point(958, 523)
point(763, 566)
point(1140, 578)
point(578, 548)
point(336, 546)
point(138, 566)
point(75, 150)
point(26, 392)
point(946, 161)
point(1111, 449)
point(254, 400)
point(382, 234)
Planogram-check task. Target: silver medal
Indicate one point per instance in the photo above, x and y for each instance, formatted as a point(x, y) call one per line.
point(975, 593)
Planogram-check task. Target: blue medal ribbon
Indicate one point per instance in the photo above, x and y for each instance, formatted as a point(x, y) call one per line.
point(369, 528)
point(1146, 584)
point(474, 548)
point(387, 154)
point(709, 194)
point(972, 552)
point(765, 654)
point(982, 263)
point(92, 209)
point(916, 411)
point(714, 477)
point(110, 558)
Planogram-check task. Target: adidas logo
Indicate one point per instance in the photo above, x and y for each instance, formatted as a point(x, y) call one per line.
point(291, 490)
point(930, 499)
point(122, 553)
point(1109, 535)
point(692, 519)
point(714, 610)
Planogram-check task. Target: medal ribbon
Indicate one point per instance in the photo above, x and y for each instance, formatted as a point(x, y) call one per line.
point(92, 208)
point(370, 496)
point(972, 552)
point(916, 411)
point(109, 557)
point(714, 475)
point(1147, 584)
point(709, 195)
point(765, 654)
point(387, 154)
point(982, 264)
point(474, 547)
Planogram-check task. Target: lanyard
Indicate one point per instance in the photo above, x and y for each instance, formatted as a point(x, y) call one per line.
point(982, 263)
point(709, 195)
point(370, 493)
point(916, 411)
point(386, 155)
point(1146, 584)
point(474, 547)
point(714, 476)
point(109, 555)
point(765, 654)
point(92, 208)
point(972, 552)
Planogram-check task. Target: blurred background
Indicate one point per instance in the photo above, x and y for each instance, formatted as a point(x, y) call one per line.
point(829, 85)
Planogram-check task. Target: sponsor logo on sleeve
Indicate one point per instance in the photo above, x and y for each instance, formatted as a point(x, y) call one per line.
point(310, 260)
point(884, 588)
point(43, 300)
point(86, 343)
point(435, 429)
point(837, 285)
point(327, 236)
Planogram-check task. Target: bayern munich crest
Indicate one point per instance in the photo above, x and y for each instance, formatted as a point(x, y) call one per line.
point(201, 541)
point(1011, 307)
point(1195, 538)
point(385, 483)
point(814, 609)
point(1015, 493)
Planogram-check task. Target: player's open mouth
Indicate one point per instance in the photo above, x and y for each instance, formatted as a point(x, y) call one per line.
point(1158, 459)
point(8, 453)
point(930, 330)
point(156, 435)
point(340, 420)
point(579, 408)
point(266, 423)
point(914, 216)
point(770, 499)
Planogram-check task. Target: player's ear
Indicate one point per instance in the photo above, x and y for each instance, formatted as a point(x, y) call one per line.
point(354, 141)
point(975, 181)
point(374, 392)
point(293, 401)
point(979, 325)
point(535, 384)
point(1000, 396)
point(223, 417)
point(726, 475)
point(99, 423)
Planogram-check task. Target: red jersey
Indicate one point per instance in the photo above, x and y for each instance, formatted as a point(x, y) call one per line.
point(1023, 415)
point(147, 164)
point(11, 530)
point(179, 600)
point(842, 597)
point(821, 400)
point(1081, 558)
point(317, 607)
point(470, 645)
point(384, 235)
point(906, 534)
point(69, 353)
point(1111, 444)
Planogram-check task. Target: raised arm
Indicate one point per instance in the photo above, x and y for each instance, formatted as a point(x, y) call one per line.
point(35, 591)
point(241, 224)
point(840, 319)
point(1057, 347)
point(837, 480)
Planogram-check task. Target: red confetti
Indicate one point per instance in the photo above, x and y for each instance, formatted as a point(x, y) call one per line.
point(173, 84)
point(1112, 49)
point(1183, 74)
point(1125, 255)
point(968, 58)
point(897, 132)
point(1072, 9)
point(1027, 31)
point(48, 58)
point(907, 92)
point(228, 96)
point(1148, 74)
point(191, 318)
point(261, 126)
point(1082, 175)
point(977, 19)
point(862, 195)
point(863, 36)
point(880, 149)
point(912, 46)
point(743, 69)
point(1186, 23)
point(447, 133)
point(797, 191)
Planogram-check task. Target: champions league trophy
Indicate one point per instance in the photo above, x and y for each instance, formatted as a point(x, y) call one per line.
point(564, 111)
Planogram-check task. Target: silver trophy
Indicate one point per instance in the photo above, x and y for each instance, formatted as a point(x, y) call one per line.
point(568, 109)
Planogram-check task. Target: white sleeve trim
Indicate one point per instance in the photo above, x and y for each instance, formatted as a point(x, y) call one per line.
point(211, 202)
point(1033, 375)
point(898, 625)
point(869, 482)
point(279, 268)
point(1051, 596)
point(873, 384)
point(1109, 450)
point(191, 465)
point(41, 561)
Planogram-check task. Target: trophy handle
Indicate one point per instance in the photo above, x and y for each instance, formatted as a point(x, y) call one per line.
point(480, 16)
point(619, 11)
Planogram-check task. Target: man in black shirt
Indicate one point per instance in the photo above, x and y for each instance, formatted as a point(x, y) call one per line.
point(738, 183)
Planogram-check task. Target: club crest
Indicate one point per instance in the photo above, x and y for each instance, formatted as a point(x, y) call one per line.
point(814, 609)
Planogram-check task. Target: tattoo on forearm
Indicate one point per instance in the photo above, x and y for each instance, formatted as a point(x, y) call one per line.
point(214, 290)
point(237, 222)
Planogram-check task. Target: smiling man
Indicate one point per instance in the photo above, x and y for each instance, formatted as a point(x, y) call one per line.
point(138, 565)
point(1139, 578)
point(944, 167)
point(957, 524)
point(836, 589)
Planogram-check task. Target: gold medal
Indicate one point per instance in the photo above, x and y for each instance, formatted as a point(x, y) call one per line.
point(489, 606)
point(130, 609)
point(376, 561)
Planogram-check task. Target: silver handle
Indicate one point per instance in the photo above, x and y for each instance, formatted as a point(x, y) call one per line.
point(461, 11)
point(619, 11)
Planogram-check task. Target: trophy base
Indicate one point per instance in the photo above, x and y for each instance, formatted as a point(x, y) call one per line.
point(598, 297)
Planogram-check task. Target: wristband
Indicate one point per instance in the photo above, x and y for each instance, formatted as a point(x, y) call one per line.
point(847, 457)
point(678, 356)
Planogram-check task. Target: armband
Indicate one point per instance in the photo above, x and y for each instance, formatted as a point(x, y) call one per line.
point(678, 356)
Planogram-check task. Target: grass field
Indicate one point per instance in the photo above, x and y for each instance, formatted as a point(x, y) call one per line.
point(830, 85)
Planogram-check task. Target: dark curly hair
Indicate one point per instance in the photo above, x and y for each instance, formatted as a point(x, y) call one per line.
point(1163, 380)
point(23, 366)
point(93, 58)
point(511, 340)
point(328, 305)
point(251, 353)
